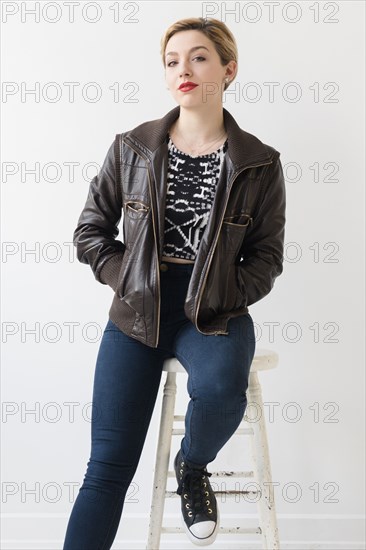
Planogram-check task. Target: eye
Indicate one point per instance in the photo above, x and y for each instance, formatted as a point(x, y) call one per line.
point(197, 57)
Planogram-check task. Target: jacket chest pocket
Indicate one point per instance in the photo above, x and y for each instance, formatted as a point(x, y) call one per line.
point(136, 220)
point(233, 232)
point(238, 220)
point(136, 209)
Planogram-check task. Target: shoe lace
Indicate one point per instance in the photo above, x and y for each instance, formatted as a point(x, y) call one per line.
point(193, 480)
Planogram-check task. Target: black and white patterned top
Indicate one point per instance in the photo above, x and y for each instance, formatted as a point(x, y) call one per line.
point(191, 186)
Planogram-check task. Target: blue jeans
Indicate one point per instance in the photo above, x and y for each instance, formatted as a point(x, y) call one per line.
point(126, 382)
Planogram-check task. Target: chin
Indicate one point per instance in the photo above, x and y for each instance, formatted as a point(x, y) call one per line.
point(192, 101)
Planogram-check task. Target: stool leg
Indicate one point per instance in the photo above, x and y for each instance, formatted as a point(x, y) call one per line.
point(162, 462)
point(262, 468)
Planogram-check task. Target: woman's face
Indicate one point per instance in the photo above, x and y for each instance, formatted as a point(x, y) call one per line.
point(191, 56)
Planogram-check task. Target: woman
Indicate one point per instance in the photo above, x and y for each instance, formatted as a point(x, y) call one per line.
point(203, 226)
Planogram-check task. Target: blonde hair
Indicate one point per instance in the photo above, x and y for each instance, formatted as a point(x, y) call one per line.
point(214, 29)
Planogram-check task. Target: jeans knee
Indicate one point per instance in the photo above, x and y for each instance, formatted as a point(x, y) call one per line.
point(225, 390)
point(106, 473)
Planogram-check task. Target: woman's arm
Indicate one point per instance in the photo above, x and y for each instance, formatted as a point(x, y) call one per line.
point(262, 248)
point(94, 236)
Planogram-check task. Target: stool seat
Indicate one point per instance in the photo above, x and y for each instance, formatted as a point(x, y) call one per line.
point(264, 359)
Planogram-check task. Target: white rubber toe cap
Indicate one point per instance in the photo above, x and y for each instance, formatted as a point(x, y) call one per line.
point(203, 529)
point(203, 533)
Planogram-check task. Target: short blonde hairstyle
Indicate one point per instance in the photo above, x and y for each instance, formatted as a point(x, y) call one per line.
point(214, 29)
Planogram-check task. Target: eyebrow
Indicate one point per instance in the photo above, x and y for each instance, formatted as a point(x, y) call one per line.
point(191, 50)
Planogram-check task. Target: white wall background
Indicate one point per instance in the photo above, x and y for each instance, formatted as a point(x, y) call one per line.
point(316, 309)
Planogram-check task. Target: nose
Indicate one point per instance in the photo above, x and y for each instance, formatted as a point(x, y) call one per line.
point(185, 69)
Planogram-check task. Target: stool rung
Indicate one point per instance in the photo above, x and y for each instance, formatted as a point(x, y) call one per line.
point(222, 474)
point(181, 418)
point(239, 431)
point(228, 530)
point(174, 494)
point(244, 431)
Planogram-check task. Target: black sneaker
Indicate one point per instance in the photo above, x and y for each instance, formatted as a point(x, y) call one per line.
point(200, 514)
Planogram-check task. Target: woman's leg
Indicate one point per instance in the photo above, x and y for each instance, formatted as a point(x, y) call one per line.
point(218, 374)
point(126, 383)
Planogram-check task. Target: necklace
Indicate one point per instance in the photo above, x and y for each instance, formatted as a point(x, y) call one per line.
point(198, 151)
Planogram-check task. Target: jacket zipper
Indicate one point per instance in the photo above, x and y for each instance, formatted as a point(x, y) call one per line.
point(156, 242)
point(216, 332)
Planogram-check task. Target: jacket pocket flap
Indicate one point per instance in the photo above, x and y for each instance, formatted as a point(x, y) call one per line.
point(240, 220)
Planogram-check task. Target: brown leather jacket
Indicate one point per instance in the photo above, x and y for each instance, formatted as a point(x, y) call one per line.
point(241, 251)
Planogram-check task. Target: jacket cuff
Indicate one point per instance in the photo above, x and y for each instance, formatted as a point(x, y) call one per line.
point(109, 273)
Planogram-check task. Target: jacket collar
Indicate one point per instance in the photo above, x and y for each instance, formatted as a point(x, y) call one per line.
point(244, 148)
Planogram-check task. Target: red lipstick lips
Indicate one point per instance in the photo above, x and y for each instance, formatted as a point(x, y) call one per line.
point(186, 86)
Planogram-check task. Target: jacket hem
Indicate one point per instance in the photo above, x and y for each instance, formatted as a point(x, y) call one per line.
point(124, 317)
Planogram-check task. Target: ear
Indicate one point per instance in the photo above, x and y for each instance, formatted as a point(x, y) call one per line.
point(231, 69)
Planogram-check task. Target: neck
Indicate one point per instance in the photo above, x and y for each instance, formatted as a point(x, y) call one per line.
point(199, 126)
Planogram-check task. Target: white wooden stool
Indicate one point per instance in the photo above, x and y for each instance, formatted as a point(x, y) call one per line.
point(254, 416)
